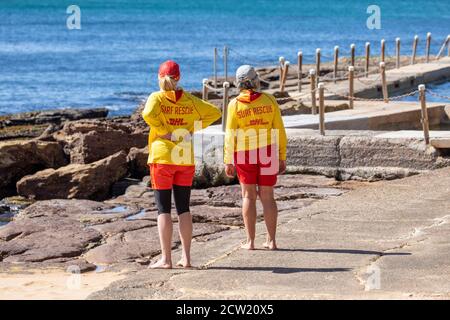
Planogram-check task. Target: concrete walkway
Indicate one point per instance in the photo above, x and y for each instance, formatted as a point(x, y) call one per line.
point(389, 239)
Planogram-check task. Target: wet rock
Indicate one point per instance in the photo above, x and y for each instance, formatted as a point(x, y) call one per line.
point(52, 116)
point(81, 181)
point(20, 158)
point(61, 208)
point(21, 132)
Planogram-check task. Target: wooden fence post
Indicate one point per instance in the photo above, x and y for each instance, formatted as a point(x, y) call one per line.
point(351, 76)
point(336, 59)
point(281, 61)
point(425, 124)
point(215, 67)
point(299, 70)
point(384, 82)
point(285, 74)
point(445, 44)
point(414, 50)
point(226, 87)
point(383, 50)
point(352, 54)
point(312, 75)
point(428, 47)
point(225, 62)
point(321, 109)
point(397, 52)
point(367, 58)
point(205, 90)
point(317, 65)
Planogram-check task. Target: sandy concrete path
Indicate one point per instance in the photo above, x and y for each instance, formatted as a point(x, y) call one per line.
point(389, 239)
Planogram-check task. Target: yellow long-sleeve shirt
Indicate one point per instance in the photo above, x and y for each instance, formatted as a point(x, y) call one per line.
point(250, 120)
point(180, 114)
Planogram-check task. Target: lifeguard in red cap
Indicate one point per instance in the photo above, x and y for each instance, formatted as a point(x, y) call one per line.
point(173, 115)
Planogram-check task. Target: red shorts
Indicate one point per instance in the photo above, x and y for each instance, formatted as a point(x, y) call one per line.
point(258, 166)
point(164, 176)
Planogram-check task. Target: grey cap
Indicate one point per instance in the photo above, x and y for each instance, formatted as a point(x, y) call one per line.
point(246, 73)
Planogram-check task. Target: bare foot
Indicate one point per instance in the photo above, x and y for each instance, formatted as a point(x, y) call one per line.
point(161, 264)
point(271, 245)
point(250, 245)
point(182, 263)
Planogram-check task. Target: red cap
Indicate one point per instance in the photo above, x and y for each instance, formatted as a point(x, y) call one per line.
point(169, 68)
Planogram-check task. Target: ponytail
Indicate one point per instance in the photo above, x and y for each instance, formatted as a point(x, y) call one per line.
point(167, 83)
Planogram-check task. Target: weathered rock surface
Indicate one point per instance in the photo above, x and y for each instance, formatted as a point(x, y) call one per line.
point(20, 158)
point(37, 240)
point(141, 244)
point(122, 231)
point(208, 174)
point(80, 181)
point(89, 141)
point(52, 116)
point(137, 159)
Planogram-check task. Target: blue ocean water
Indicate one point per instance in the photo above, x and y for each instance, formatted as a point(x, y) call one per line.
point(112, 61)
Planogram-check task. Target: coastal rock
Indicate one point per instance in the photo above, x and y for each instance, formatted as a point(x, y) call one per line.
point(86, 211)
point(52, 116)
point(136, 116)
point(20, 158)
point(137, 160)
point(141, 244)
point(89, 141)
point(121, 226)
point(81, 181)
point(138, 244)
point(210, 175)
point(218, 215)
point(37, 240)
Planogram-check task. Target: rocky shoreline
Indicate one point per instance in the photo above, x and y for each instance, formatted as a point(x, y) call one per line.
point(74, 186)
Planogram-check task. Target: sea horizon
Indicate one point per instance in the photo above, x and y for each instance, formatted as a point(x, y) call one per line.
point(112, 60)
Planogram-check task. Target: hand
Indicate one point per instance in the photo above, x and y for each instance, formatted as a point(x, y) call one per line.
point(282, 167)
point(229, 170)
point(167, 136)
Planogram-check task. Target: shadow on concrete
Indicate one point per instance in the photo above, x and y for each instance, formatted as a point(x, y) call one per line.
point(347, 251)
point(282, 270)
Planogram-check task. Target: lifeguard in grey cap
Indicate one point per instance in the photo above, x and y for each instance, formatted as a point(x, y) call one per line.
point(255, 148)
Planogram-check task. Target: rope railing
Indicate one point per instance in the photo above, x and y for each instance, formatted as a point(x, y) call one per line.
point(421, 91)
point(362, 77)
point(391, 98)
point(437, 95)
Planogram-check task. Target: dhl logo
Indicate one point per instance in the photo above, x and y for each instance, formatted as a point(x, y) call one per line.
point(258, 122)
point(177, 122)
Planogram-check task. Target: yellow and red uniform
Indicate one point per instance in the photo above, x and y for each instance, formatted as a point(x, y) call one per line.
point(181, 114)
point(252, 116)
